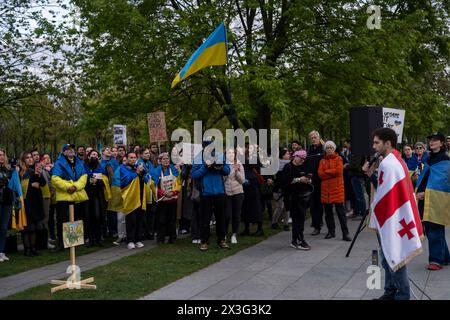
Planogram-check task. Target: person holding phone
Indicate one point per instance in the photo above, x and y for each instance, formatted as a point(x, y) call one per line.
point(296, 182)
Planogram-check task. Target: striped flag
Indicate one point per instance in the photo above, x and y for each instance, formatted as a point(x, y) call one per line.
point(395, 214)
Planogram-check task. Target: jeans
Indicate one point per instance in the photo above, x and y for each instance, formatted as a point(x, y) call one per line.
point(121, 225)
point(280, 210)
point(437, 245)
point(209, 204)
point(396, 284)
point(358, 189)
point(5, 216)
point(233, 212)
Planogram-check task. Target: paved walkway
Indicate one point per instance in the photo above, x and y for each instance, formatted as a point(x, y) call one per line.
point(273, 270)
point(32, 278)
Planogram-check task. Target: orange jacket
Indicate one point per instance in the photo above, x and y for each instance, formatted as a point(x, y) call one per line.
point(331, 171)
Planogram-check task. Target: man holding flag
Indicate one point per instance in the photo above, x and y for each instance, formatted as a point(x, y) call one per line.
point(395, 216)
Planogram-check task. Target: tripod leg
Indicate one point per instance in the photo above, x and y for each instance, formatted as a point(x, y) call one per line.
point(360, 228)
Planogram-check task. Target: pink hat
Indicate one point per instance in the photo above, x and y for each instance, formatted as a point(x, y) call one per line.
point(300, 153)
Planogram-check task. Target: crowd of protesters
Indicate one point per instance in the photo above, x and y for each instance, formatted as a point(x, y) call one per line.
point(139, 194)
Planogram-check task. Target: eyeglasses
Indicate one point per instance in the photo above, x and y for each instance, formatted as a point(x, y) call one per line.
point(419, 148)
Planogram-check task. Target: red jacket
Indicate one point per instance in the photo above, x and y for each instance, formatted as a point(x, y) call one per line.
point(331, 171)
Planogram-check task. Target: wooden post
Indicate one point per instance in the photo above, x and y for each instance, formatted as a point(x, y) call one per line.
point(72, 282)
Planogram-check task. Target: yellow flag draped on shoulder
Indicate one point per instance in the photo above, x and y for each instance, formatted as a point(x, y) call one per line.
point(213, 52)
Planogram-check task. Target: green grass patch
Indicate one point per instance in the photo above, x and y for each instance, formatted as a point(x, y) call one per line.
point(19, 263)
point(135, 276)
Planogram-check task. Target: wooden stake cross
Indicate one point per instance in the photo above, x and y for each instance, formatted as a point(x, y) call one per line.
point(74, 281)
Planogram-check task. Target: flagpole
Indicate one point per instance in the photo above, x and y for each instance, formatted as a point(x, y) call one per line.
point(230, 111)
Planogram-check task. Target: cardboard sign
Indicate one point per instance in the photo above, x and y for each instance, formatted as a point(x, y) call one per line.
point(394, 119)
point(120, 134)
point(157, 126)
point(73, 234)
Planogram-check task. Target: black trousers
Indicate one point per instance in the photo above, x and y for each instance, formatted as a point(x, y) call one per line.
point(96, 219)
point(133, 222)
point(329, 217)
point(195, 222)
point(298, 213)
point(233, 212)
point(208, 205)
point(62, 216)
point(316, 208)
point(167, 221)
point(51, 221)
point(110, 223)
point(150, 219)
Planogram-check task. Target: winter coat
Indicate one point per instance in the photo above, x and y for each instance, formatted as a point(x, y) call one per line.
point(331, 171)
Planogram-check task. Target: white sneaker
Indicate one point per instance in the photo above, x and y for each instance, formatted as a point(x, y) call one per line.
point(131, 246)
point(290, 221)
point(50, 246)
point(3, 257)
point(195, 241)
point(139, 245)
point(233, 239)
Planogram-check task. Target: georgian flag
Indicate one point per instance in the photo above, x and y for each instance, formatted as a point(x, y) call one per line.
point(395, 214)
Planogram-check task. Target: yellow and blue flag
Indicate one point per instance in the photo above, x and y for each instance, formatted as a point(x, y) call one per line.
point(437, 193)
point(213, 52)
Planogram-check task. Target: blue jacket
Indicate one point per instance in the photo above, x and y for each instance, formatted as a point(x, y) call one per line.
point(112, 162)
point(413, 162)
point(147, 165)
point(211, 180)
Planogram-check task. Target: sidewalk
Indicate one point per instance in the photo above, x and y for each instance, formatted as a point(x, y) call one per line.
point(32, 278)
point(273, 270)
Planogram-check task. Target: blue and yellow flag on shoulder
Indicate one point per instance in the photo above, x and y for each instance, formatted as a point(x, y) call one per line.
point(437, 193)
point(213, 52)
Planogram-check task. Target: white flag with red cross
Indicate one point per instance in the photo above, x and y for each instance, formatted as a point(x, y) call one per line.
point(395, 214)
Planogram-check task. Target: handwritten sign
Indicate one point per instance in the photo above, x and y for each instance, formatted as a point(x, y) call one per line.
point(394, 119)
point(157, 126)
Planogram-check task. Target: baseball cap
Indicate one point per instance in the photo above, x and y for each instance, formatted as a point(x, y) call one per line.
point(300, 153)
point(436, 135)
point(68, 146)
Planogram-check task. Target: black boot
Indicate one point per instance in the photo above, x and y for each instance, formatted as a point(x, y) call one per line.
point(346, 237)
point(330, 235)
point(34, 252)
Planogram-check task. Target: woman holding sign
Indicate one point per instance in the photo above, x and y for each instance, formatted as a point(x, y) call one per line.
point(99, 192)
point(168, 186)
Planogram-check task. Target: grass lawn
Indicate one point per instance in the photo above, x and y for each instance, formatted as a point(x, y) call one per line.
point(138, 275)
point(19, 263)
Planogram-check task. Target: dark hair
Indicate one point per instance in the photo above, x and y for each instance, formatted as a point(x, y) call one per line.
point(121, 147)
point(128, 154)
point(296, 141)
point(283, 152)
point(142, 150)
point(93, 150)
point(153, 144)
point(34, 150)
point(81, 147)
point(386, 134)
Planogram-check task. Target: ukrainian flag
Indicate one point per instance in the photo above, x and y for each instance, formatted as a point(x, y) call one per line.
point(19, 219)
point(437, 193)
point(213, 52)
